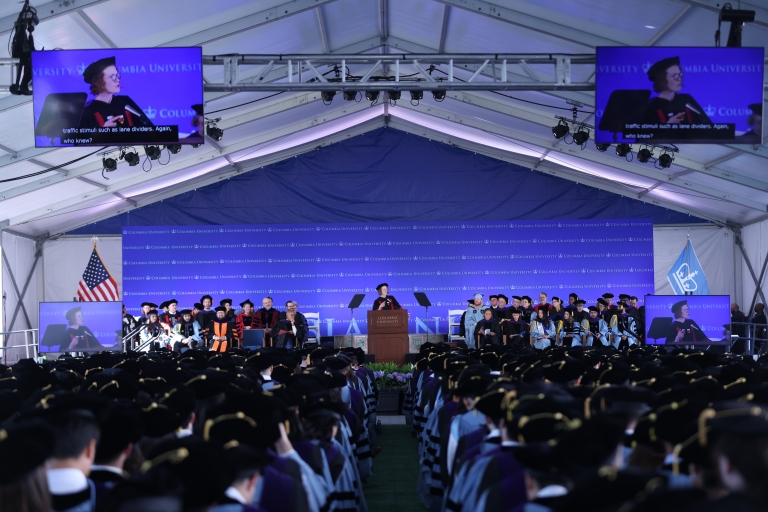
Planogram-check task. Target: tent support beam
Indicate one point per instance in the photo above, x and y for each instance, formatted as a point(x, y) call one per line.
point(20, 295)
point(758, 288)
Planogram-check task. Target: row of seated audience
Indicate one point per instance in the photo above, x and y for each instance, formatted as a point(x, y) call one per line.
point(270, 430)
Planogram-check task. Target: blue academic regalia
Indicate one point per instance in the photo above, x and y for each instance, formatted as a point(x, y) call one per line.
point(538, 330)
point(594, 326)
point(623, 325)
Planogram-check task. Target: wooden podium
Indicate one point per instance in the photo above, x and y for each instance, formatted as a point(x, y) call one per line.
point(388, 335)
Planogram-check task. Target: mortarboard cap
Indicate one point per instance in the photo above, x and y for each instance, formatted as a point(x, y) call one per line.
point(172, 301)
point(220, 308)
point(602, 301)
point(662, 66)
point(152, 312)
point(580, 302)
point(517, 297)
point(678, 305)
point(150, 304)
point(608, 295)
point(246, 301)
point(70, 315)
point(225, 301)
point(593, 308)
point(96, 68)
point(24, 446)
point(198, 306)
point(185, 312)
point(493, 296)
point(378, 288)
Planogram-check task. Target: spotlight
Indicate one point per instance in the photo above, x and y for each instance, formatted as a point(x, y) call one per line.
point(372, 96)
point(644, 155)
point(561, 130)
point(438, 95)
point(623, 149)
point(417, 96)
point(327, 96)
point(393, 95)
point(581, 136)
point(132, 158)
point(153, 152)
point(174, 148)
point(110, 164)
point(602, 147)
point(196, 145)
point(665, 160)
point(350, 95)
point(214, 132)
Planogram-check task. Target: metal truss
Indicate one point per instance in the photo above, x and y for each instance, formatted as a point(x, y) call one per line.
point(396, 79)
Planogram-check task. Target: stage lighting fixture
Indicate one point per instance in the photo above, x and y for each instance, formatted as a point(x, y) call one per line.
point(372, 96)
point(417, 95)
point(644, 155)
point(623, 149)
point(327, 96)
point(350, 95)
point(196, 145)
point(393, 95)
point(602, 147)
point(737, 18)
point(174, 148)
point(561, 130)
point(581, 136)
point(110, 164)
point(153, 152)
point(438, 95)
point(214, 132)
point(665, 160)
point(132, 158)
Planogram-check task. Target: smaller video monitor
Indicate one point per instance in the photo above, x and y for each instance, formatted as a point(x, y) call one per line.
point(687, 319)
point(80, 326)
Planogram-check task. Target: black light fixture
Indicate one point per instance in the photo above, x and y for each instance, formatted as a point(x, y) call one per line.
point(131, 157)
point(372, 96)
point(393, 95)
point(214, 132)
point(644, 155)
point(737, 18)
point(416, 96)
point(153, 152)
point(602, 147)
point(561, 130)
point(327, 96)
point(196, 145)
point(665, 160)
point(350, 95)
point(173, 148)
point(581, 136)
point(438, 95)
point(110, 164)
point(623, 149)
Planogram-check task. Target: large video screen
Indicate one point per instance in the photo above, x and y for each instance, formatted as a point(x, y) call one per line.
point(118, 97)
point(322, 266)
point(681, 319)
point(80, 326)
point(679, 95)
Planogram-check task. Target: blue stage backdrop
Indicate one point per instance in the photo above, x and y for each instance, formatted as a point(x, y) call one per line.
point(321, 266)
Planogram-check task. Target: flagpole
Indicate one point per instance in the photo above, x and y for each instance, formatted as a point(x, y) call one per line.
point(687, 255)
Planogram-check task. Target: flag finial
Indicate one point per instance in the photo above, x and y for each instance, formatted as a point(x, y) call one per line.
point(94, 239)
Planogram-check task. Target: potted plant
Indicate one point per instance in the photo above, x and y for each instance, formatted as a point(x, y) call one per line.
point(392, 381)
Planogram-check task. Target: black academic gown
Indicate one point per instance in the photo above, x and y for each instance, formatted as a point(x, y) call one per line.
point(282, 333)
point(515, 332)
point(96, 113)
point(393, 304)
point(658, 110)
point(494, 335)
point(692, 332)
point(86, 338)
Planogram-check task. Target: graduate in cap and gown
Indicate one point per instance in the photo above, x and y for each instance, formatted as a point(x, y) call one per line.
point(596, 328)
point(542, 329)
point(580, 314)
point(569, 330)
point(384, 300)
point(206, 315)
point(623, 328)
point(146, 307)
point(526, 308)
point(25, 446)
point(188, 333)
point(488, 330)
point(671, 106)
point(230, 313)
point(171, 316)
point(78, 336)
point(286, 331)
point(684, 328)
point(516, 329)
point(470, 317)
point(108, 108)
point(246, 319)
point(221, 334)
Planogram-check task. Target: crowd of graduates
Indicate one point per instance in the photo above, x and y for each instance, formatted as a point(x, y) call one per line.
point(271, 429)
point(511, 428)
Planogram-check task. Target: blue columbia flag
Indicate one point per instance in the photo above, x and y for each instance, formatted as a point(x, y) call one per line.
point(686, 276)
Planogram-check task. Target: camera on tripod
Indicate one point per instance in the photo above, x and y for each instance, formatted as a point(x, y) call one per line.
point(22, 46)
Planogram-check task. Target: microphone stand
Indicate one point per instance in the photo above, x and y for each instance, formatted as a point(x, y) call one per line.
point(128, 336)
point(146, 343)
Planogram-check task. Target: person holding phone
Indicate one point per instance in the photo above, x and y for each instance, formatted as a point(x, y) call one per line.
point(671, 106)
point(384, 300)
point(488, 330)
point(109, 109)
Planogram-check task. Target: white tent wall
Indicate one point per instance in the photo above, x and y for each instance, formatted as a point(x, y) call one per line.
point(714, 246)
point(18, 260)
point(755, 241)
point(65, 259)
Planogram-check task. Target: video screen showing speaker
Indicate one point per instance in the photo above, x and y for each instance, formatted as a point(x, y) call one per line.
point(118, 97)
point(80, 326)
point(683, 319)
point(679, 95)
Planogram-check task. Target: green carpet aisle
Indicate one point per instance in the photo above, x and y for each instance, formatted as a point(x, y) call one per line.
point(392, 488)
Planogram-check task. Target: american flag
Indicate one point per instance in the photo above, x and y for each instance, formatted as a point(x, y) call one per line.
point(97, 284)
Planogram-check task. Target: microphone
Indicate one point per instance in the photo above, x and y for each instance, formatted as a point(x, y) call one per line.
point(691, 107)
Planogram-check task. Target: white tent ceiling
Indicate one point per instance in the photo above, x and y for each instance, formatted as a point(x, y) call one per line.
point(725, 184)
